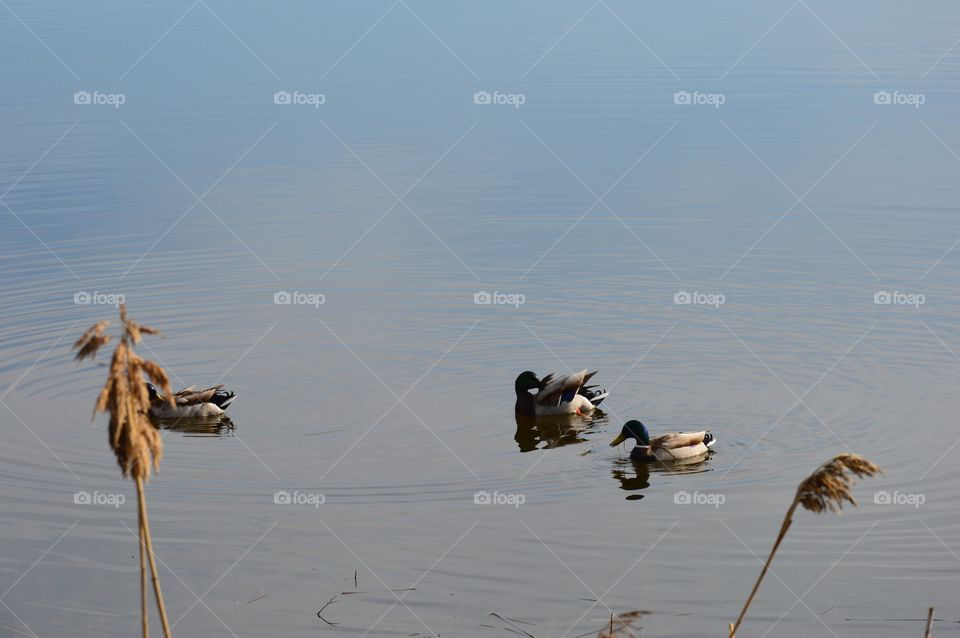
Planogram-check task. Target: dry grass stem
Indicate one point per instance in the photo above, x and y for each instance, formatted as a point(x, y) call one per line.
point(828, 488)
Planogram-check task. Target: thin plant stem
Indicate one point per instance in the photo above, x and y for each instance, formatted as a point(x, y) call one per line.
point(145, 523)
point(144, 618)
point(927, 633)
point(784, 527)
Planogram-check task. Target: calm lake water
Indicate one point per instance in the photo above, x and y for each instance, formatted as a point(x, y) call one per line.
point(778, 165)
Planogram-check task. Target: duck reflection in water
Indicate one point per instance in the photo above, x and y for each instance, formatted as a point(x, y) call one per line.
point(634, 475)
point(545, 432)
point(216, 426)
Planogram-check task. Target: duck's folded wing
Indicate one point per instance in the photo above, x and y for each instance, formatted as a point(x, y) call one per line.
point(189, 396)
point(559, 386)
point(675, 440)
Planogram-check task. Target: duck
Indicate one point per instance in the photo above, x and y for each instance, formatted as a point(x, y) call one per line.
point(557, 394)
point(665, 447)
point(190, 402)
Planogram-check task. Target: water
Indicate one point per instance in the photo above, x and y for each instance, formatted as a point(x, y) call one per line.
point(398, 199)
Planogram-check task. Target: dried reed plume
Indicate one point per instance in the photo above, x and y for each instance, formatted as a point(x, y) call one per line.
point(826, 489)
point(133, 439)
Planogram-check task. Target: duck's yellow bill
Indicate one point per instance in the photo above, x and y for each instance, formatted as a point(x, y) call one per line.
point(617, 441)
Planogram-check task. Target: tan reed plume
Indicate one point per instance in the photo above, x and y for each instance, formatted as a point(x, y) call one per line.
point(828, 488)
point(134, 440)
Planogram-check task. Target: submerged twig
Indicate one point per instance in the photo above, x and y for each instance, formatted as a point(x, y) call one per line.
point(320, 613)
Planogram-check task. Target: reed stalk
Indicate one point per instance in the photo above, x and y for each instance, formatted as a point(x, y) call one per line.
point(144, 619)
point(826, 489)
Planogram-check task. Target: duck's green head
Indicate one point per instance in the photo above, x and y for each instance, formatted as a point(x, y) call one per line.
point(526, 381)
point(632, 430)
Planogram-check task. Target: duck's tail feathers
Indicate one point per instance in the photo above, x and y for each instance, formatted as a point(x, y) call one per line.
point(594, 394)
point(708, 440)
point(223, 398)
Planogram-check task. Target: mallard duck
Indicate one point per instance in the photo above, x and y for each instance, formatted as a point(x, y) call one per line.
point(666, 447)
point(557, 394)
point(190, 403)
